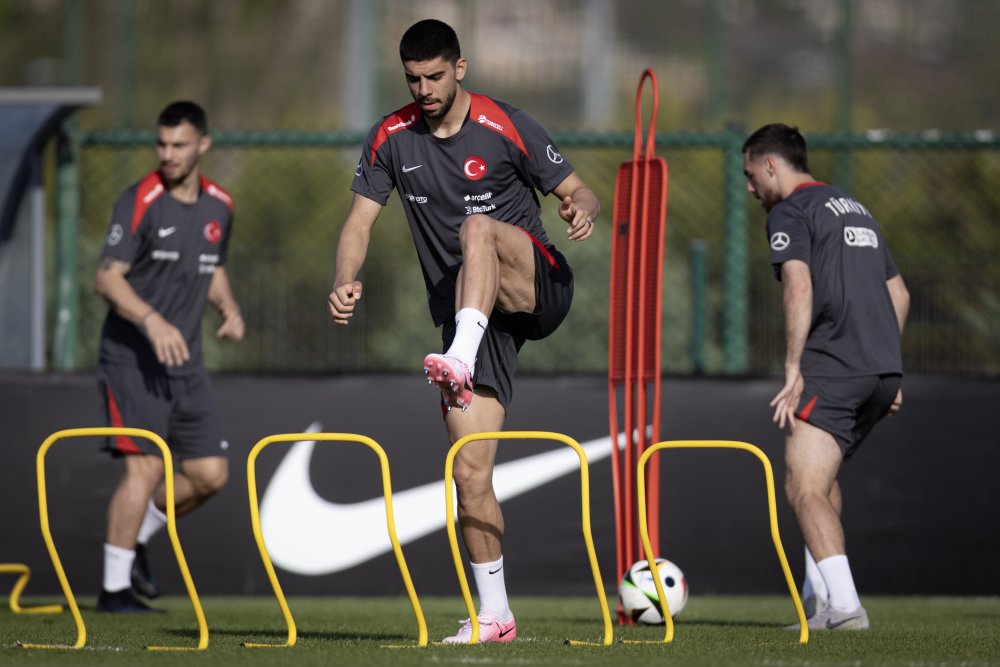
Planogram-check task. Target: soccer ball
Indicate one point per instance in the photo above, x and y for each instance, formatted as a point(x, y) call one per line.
point(638, 592)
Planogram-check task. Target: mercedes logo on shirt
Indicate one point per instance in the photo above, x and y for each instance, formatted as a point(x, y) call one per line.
point(115, 234)
point(779, 241)
point(554, 156)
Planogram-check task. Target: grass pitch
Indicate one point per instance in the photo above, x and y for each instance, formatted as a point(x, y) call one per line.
point(351, 631)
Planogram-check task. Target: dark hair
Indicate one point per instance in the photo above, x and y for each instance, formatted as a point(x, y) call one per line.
point(781, 140)
point(176, 113)
point(429, 39)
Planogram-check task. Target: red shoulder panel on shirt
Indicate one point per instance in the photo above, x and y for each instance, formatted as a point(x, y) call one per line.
point(149, 189)
point(395, 122)
point(488, 113)
point(215, 191)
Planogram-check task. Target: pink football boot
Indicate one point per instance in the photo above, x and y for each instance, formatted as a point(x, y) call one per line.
point(452, 376)
point(491, 630)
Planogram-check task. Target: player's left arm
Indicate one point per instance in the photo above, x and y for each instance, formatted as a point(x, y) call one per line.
point(901, 304)
point(900, 299)
point(578, 206)
point(220, 294)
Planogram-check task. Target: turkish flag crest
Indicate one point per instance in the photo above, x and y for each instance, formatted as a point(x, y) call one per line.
point(475, 168)
point(213, 231)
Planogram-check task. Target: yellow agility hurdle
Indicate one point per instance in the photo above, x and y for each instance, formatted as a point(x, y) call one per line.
point(168, 476)
point(772, 510)
point(585, 512)
point(389, 518)
point(15, 594)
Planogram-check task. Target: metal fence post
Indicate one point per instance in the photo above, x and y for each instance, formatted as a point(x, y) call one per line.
point(67, 306)
point(699, 307)
point(735, 273)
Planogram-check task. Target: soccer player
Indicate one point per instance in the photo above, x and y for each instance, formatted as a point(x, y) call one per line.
point(466, 168)
point(844, 305)
point(163, 259)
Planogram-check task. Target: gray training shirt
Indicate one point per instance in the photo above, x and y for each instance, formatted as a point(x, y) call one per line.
point(174, 249)
point(492, 165)
point(854, 330)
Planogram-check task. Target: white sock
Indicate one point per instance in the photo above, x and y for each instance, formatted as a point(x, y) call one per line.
point(837, 575)
point(471, 325)
point(152, 523)
point(117, 568)
point(492, 589)
point(814, 584)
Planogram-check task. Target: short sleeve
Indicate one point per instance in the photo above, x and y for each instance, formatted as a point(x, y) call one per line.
point(373, 175)
point(891, 270)
point(123, 237)
point(224, 245)
point(545, 166)
point(788, 235)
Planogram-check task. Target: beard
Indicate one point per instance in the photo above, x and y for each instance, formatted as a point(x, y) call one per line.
point(769, 199)
point(445, 107)
point(174, 175)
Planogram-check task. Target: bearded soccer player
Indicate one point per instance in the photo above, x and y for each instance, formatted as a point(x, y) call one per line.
point(466, 168)
point(162, 261)
point(845, 304)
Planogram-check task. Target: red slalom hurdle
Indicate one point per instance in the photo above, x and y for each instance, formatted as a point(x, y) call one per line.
point(635, 332)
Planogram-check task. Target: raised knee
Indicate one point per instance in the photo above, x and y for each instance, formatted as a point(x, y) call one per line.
point(209, 483)
point(476, 228)
point(215, 483)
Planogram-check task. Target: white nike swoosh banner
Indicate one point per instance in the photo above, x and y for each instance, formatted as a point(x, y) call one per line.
point(307, 534)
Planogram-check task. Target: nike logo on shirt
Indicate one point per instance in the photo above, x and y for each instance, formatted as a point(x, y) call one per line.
point(164, 232)
point(305, 532)
point(407, 170)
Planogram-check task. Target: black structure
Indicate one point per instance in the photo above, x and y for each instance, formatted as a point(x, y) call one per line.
point(29, 118)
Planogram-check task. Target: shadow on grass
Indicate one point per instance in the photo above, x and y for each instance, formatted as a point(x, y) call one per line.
point(256, 634)
point(91, 611)
point(713, 623)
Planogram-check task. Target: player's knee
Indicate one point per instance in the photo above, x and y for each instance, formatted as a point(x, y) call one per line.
point(143, 470)
point(472, 481)
point(210, 481)
point(476, 229)
point(791, 489)
point(802, 494)
point(217, 481)
point(794, 487)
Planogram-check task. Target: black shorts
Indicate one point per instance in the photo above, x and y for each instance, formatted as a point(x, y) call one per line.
point(496, 361)
point(847, 407)
point(181, 409)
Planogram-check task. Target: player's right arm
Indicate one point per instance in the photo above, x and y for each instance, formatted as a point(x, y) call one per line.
point(578, 207)
point(167, 340)
point(352, 248)
point(797, 306)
